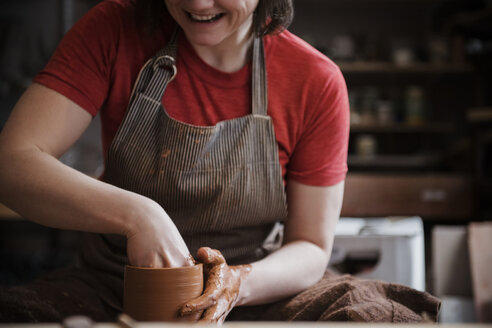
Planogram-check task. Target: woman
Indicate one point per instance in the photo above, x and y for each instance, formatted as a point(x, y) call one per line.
point(217, 125)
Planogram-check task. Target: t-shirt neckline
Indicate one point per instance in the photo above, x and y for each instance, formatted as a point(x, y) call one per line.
point(208, 73)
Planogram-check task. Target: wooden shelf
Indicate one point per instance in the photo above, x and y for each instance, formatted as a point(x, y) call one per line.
point(415, 68)
point(393, 161)
point(479, 115)
point(431, 128)
point(431, 196)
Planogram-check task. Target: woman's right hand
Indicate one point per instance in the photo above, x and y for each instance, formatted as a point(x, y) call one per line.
point(154, 241)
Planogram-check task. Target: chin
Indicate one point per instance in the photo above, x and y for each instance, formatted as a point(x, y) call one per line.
point(205, 40)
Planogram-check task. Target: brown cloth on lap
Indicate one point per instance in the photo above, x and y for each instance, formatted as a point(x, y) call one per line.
point(347, 298)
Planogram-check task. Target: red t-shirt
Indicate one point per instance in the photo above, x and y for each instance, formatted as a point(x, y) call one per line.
point(99, 59)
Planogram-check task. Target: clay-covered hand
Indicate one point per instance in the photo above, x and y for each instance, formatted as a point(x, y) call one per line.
point(154, 241)
point(222, 287)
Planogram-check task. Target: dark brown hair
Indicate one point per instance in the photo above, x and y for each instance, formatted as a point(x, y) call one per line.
point(270, 16)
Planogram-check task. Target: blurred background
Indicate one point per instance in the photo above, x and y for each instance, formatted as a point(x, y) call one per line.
point(418, 199)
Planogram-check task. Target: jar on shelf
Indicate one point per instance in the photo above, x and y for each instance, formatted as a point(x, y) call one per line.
point(403, 51)
point(438, 49)
point(369, 98)
point(366, 145)
point(343, 48)
point(385, 112)
point(355, 117)
point(414, 105)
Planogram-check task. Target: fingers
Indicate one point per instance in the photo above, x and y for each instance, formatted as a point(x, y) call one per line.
point(204, 301)
point(212, 314)
point(216, 304)
point(152, 260)
point(178, 261)
point(210, 256)
point(200, 303)
point(156, 260)
point(190, 261)
point(222, 319)
point(151, 254)
point(213, 288)
point(216, 313)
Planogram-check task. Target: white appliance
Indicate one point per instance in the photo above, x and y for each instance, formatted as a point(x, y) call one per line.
point(389, 249)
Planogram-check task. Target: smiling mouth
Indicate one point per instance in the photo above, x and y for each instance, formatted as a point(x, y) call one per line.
point(204, 18)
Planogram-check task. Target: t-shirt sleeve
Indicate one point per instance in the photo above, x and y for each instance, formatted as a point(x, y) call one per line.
point(80, 67)
point(320, 155)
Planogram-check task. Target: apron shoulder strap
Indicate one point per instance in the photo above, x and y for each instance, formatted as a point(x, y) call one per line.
point(158, 71)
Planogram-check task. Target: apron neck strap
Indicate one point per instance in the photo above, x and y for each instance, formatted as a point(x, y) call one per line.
point(259, 80)
point(166, 57)
point(158, 71)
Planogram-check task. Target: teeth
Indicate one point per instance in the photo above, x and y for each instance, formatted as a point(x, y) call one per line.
point(202, 17)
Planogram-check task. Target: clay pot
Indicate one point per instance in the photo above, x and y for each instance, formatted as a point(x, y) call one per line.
point(157, 294)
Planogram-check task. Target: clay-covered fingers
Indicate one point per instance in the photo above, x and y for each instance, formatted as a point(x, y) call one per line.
point(221, 291)
point(203, 302)
point(216, 313)
point(210, 315)
point(211, 256)
point(222, 318)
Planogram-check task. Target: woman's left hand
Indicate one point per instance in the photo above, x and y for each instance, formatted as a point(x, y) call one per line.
point(222, 287)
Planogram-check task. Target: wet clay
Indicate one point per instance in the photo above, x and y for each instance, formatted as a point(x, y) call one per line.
point(152, 294)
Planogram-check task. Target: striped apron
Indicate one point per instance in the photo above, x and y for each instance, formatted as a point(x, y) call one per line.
point(221, 185)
